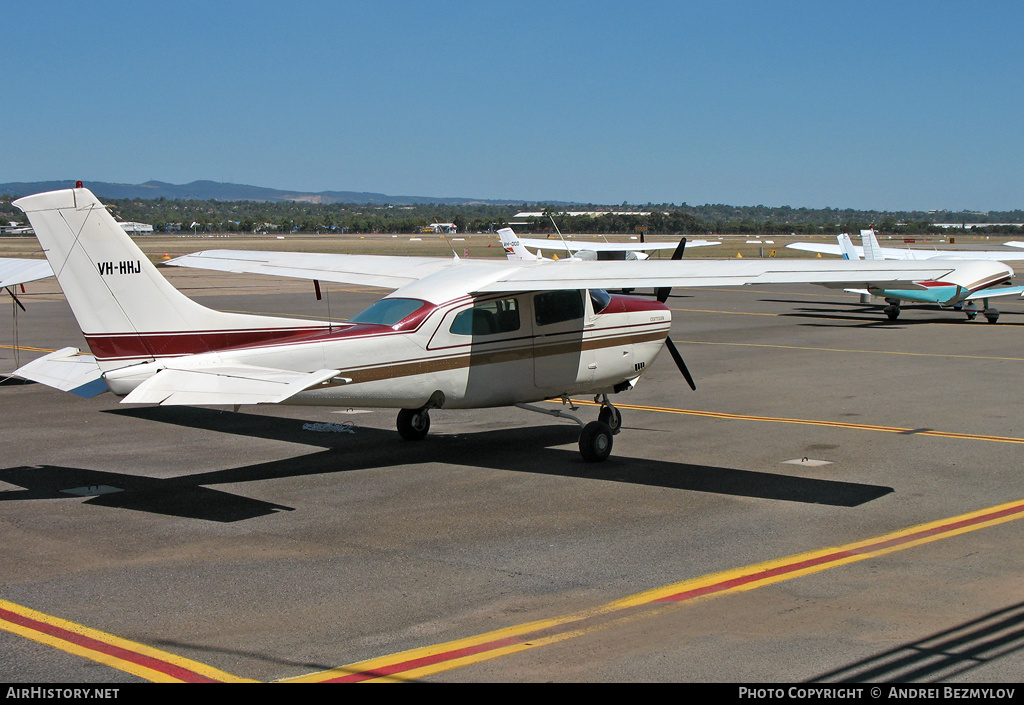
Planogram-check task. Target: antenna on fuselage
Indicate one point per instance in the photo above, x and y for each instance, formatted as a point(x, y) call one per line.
point(572, 253)
point(445, 236)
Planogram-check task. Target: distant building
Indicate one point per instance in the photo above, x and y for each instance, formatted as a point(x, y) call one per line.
point(136, 228)
point(593, 214)
point(968, 226)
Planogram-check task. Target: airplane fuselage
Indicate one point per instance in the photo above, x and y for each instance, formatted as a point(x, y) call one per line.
point(486, 351)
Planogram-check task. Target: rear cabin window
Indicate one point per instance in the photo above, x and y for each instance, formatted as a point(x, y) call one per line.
point(558, 306)
point(488, 318)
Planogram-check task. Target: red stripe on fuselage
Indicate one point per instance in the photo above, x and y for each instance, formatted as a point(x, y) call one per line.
point(114, 346)
point(129, 346)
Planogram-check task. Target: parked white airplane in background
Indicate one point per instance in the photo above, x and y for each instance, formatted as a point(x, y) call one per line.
point(872, 250)
point(945, 294)
point(517, 247)
point(456, 334)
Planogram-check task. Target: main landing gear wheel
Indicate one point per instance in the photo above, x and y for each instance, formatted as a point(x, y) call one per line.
point(611, 417)
point(893, 312)
point(596, 442)
point(991, 314)
point(413, 424)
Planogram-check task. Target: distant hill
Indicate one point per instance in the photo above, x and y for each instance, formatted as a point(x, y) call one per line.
point(215, 191)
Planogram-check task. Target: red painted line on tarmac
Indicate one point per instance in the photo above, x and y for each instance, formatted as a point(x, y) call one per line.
point(441, 657)
point(733, 583)
point(169, 669)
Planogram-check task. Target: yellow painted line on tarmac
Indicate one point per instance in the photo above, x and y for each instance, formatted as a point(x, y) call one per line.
point(842, 350)
point(815, 422)
point(131, 657)
point(419, 663)
point(733, 313)
point(26, 347)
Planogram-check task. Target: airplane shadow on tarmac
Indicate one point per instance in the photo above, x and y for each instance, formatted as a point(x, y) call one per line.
point(871, 315)
point(190, 496)
point(941, 656)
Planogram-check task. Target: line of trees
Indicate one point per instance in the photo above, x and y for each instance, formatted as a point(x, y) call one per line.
point(257, 216)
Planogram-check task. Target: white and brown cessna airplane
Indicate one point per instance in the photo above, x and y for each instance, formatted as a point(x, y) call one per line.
point(455, 333)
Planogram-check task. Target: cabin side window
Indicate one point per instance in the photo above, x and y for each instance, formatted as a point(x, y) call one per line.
point(558, 306)
point(501, 316)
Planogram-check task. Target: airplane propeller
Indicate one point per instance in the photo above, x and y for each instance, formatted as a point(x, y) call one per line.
point(663, 294)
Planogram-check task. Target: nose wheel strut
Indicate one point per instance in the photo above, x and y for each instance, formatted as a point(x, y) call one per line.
point(595, 437)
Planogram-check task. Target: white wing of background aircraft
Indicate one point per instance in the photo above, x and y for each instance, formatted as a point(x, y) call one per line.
point(906, 253)
point(457, 334)
point(585, 250)
point(20, 271)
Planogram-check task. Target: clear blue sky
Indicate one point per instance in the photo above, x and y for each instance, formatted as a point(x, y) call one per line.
point(875, 105)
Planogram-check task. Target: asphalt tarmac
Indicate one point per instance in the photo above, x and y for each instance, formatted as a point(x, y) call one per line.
point(836, 501)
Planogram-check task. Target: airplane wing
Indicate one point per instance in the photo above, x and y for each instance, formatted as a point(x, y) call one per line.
point(711, 273)
point(368, 270)
point(577, 246)
point(1015, 243)
point(895, 253)
point(19, 271)
point(821, 249)
point(224, 384)
point(491, 275)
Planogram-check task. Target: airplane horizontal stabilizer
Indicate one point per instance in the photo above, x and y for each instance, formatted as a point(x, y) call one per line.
point(995, 292)
point(67, 371)
point(224, 384)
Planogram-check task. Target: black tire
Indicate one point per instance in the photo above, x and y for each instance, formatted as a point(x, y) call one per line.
point(413, 424)
point(612, 417)
point(596, 442)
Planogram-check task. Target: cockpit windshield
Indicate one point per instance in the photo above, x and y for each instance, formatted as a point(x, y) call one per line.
point(388, 312)
point(600, 299)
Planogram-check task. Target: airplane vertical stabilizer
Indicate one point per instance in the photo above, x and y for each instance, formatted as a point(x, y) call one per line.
point(514, 249)
point(872, 250)
point(846, 247)
point(122, 303)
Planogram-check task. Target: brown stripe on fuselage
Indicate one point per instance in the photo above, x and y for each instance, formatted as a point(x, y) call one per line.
point(478, 358)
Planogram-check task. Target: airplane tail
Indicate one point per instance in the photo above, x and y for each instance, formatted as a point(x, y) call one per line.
point(127, 310)
point(514, 249)
point(846, 247)
point(872, 250)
